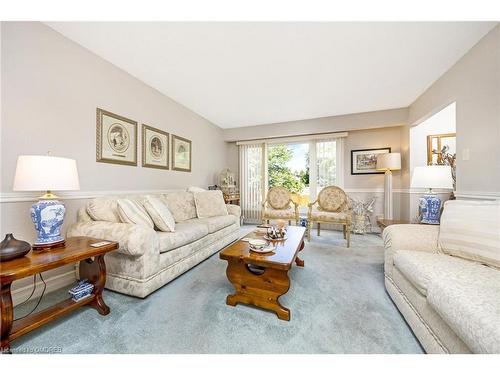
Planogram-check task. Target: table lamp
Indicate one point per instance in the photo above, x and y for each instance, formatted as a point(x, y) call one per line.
point(388, 163)
point(39, 173)
point(431, 177)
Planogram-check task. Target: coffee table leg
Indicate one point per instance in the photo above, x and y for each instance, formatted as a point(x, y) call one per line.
point(299, 262)
point(7, 317)
point(95, 272)
point(258, 289)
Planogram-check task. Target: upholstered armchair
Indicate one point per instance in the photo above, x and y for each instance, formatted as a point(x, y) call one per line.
point(331, 207)
point(278, 205)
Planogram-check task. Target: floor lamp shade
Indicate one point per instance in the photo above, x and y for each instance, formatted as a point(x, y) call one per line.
point(429, 177)
point(388, 162)
point(46, 173)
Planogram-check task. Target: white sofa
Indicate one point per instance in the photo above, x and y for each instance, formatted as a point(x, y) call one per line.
point(451, 303)
point(148, 259)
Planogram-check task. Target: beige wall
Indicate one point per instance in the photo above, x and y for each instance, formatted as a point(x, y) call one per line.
point(50, 89)
point(474, 84)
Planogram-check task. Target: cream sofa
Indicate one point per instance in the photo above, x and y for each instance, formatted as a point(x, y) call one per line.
point(148, 259)
point(451, 303)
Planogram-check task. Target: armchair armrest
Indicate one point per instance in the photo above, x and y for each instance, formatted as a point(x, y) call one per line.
point(233, 209)
point(416, 237)
point(134, 240)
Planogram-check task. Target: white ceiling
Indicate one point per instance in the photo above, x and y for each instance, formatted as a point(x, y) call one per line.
point(239, 74)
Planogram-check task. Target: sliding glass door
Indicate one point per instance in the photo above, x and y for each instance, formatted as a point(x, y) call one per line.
point(303, 167)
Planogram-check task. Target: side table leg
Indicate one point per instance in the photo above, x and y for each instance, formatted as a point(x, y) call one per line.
point(95, 272)
point(7, 317)
point(299, 262)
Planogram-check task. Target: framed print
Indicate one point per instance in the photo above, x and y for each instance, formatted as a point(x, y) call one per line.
point(155, 148)
point(116, 139)
point(365, 161)
point(438, 145)
point(181, 154)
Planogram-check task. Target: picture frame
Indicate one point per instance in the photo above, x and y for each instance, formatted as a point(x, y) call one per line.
point(116, 139)
point(155, 147)
point(364, 161)
point(181, 154)
point(435, 144)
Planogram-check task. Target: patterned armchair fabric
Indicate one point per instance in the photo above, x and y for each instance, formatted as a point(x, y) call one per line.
point(278, 205)
point(331, 207)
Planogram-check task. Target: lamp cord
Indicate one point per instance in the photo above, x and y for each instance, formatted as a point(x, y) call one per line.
point(32, 292)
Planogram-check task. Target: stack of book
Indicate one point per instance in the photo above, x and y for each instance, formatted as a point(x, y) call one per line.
point(82, 290)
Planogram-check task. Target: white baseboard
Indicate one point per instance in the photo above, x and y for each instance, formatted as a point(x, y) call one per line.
point(53, 283)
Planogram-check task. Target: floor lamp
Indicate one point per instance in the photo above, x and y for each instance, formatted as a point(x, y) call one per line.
point(388, 163)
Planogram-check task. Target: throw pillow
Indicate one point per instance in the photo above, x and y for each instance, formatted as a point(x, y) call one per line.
point(181, 205)
point(160, 214)
point(131, 212)
point(210, 203)
point(103, 209)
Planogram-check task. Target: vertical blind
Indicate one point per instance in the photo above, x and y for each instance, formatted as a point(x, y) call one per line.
point(252, 181)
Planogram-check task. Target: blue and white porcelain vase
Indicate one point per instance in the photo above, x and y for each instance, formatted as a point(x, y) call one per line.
point(48, 216)
point(430, 208)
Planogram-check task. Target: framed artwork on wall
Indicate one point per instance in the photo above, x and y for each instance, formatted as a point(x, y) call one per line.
point(116, 139)
point(365, 161)
point(181, 154)
point(155, 147)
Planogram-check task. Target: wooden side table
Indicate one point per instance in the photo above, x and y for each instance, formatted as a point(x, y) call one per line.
point(76, 249)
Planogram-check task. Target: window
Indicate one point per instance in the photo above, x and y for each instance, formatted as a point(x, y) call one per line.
point(288, 166)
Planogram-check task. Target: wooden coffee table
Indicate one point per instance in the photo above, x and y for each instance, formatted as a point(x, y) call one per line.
point(260, 279)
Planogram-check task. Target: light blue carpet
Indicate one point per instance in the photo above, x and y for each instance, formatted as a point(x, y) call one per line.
point(338, 305)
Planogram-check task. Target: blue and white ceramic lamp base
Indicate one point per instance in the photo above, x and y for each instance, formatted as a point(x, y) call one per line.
point(48, 217)
point(430, 208)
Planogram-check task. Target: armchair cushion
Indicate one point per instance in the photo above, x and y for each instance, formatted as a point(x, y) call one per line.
point(329, 216)
point(288, 214)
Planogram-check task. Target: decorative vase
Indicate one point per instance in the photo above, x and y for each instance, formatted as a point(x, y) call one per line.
point(430, 208)
point(11, 248)
point(48, 216)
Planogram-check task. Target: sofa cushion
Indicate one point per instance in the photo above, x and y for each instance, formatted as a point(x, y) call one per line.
point(181, 205)
point(471, 230)
point(470, 303)
point(184, 234)
point(209, 204)
point(103, 209)
point(215, 223)
point(159, 212)
point(131, 212)
point(420, 268)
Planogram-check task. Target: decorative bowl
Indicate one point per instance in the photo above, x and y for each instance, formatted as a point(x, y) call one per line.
point(257, 243)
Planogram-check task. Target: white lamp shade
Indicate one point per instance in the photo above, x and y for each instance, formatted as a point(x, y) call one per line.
point(432, 177)
point(42, 173)
point(390, 161)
